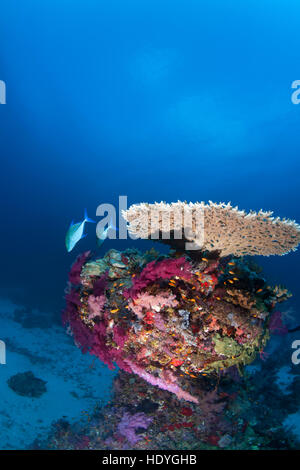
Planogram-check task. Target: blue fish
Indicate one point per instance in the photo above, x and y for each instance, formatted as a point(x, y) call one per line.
point(75, 232)
point(101, 237)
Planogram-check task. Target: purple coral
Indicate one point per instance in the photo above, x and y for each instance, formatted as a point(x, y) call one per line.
point(105, 353)
point(276, 325)
point(100, 285)
point(83, 336)
point(99, 347)
point(74, 274)
point(165, 269)
point(129, 423)
point(120, 336)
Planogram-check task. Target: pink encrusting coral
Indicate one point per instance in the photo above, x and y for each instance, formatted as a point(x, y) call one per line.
point(145, 301)
point(160, 323)
point(96, 305)
point(168, 384)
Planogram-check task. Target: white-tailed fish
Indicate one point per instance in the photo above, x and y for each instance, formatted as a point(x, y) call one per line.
point(101, 237)
point(75, 232)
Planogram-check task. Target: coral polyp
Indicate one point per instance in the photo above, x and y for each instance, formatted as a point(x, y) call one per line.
point(170, 319)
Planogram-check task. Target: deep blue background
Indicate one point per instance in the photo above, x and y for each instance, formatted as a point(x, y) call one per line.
point(157, 100)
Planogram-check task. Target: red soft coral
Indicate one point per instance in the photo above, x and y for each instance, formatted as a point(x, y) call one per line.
point(74, 274)
point(165, 269)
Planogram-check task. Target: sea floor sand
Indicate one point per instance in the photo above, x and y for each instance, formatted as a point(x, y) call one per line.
point(75, 382)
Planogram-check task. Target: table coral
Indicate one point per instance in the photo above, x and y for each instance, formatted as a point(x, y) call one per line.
point(215, 227)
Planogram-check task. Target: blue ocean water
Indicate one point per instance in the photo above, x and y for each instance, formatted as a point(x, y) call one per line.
point(155, 100)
